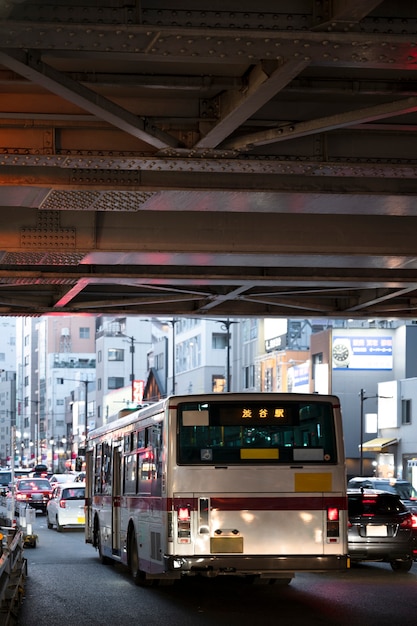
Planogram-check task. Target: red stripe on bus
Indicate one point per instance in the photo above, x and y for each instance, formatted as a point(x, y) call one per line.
point(240, 503)
point(274, 503)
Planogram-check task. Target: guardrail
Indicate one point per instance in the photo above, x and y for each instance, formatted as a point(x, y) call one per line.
point(13, 573)
point(13, 566)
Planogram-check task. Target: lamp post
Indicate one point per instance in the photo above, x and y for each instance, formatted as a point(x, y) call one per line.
point(132, 362)
point(226, 324)
point(85, 382)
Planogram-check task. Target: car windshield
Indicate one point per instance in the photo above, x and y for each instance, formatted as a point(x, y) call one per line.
point(73, 493)
point(31, 485)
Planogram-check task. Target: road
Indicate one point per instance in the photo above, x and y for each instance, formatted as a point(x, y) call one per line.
point(68, 585)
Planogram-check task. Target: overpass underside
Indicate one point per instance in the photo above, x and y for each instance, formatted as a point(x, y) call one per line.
point(188, 158)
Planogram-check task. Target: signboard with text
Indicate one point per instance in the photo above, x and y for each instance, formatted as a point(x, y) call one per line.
point(362, 352)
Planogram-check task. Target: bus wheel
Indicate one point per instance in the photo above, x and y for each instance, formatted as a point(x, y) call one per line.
point(103, 559)
point(138, 575)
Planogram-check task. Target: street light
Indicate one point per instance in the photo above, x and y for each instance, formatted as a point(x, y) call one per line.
point(85, 382)
point(225, 325)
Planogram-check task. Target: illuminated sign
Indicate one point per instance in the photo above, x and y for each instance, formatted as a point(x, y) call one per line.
point(363, 352)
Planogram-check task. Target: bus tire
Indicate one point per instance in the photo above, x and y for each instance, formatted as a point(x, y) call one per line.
point(138, 575)
point(97, 543)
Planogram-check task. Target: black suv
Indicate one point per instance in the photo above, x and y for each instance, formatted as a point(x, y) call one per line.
point(402, 488)
point(380, 529)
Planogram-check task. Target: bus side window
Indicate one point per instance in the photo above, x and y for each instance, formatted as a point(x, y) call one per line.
point(130, 473)
point(97, 469)
point(146, 466)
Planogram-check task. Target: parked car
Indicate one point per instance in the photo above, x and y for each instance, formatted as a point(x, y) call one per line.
point(66, 507)
point(34, 492)
point(402, 488)
point(380, 528)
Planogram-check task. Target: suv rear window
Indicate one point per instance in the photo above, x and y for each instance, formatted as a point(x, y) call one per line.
point(370, 505)
point(73, 493)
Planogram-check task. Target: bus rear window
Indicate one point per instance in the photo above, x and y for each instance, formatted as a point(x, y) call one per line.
point(253, 432)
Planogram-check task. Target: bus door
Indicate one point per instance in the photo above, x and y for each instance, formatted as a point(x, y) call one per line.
point(89, 496)
point(116, 498)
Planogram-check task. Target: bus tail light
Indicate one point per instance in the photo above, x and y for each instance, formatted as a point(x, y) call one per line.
point(184, 523)
point(333, 524)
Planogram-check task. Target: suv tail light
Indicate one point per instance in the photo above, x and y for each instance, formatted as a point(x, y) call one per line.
point(63, 504)
point(407, 522)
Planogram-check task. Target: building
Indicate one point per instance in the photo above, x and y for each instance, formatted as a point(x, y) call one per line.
point(8, 407)
point(55, 354)
point(202, 362)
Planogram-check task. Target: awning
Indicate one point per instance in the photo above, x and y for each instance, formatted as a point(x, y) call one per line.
point(378, 444)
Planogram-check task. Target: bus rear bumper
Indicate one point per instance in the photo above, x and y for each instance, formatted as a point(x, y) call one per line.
point(271, 566)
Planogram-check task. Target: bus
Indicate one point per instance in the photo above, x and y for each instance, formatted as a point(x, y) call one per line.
point(250, 484)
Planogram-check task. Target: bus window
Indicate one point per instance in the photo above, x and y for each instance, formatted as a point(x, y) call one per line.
point(243, 433)
point(130, 473)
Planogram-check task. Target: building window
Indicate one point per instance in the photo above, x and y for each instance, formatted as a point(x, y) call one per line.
point(116, 354)
point(406, 411)
point(99, 356)
point(160, 361)
point(249, 377)
point(115, 382)
point(219, 341)
point(99, 384)
point(218, 383)
point(268, 379)
point(84, 333)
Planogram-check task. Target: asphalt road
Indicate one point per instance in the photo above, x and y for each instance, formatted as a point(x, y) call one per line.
point(68, 586)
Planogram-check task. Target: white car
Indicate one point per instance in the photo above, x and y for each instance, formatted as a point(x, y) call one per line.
point(66, 506)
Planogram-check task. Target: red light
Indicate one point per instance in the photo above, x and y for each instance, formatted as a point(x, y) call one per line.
point(184, 513)
point(63, 504)
point(407, 522)
point(414, 520)
point(333, 514)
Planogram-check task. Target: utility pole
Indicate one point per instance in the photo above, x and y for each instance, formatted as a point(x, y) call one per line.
point(173, 322)
point(85, 382)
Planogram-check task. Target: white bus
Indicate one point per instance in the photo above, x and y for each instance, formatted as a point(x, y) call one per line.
point(250, 484)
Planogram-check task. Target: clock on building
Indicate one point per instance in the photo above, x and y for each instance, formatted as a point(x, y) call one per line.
point(341, 353)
